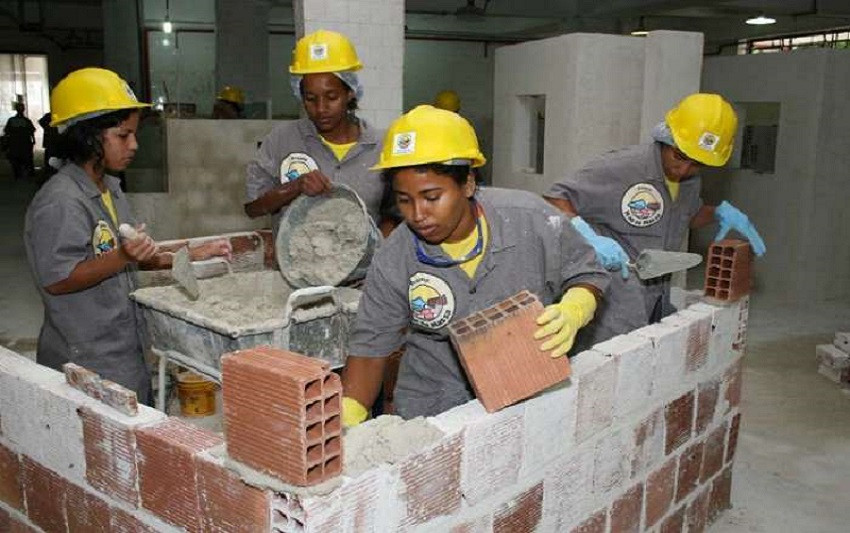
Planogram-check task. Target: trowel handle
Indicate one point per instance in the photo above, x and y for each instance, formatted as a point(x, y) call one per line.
point(128, 232)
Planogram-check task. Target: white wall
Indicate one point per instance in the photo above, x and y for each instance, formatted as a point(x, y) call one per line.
point(602, 92)
point(800, 209)
point(464, 67)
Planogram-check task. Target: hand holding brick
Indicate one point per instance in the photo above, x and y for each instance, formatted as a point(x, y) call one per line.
point(502, 360)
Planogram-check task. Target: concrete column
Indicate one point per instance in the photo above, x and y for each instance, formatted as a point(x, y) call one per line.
point(242, 48)
point(121, 41)
point(376, 27)
point(672, 70)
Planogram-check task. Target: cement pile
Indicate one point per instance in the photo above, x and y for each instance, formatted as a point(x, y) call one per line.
point(386, 439)
point(238, 300)
point(329, 243)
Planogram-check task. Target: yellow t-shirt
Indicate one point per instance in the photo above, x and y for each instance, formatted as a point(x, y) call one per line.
point(673, 187)
point(106, 198)
point(456, 250)
point(339, 150)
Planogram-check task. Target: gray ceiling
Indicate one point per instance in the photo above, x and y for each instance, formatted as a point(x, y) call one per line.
point(722, 21)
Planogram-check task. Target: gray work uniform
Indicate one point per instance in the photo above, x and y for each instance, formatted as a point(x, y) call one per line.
point(100, 327)
point(623, 195)
point(295, 147)
point(531, 246)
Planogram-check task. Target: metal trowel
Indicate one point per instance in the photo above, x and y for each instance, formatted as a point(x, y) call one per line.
point(181, 264)
point(184, 274)
point(654, 263)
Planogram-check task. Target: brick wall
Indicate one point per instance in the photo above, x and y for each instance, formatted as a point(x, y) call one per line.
point(641, 437)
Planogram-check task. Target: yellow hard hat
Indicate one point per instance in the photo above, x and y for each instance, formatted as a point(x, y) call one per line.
point(88, 91)
point(448, 100)
point(324, 51)
point(429, 135)
point(703, 127)
point(232, 94)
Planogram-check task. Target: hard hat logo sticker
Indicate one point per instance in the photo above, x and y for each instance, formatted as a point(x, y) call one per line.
point(708, 141)
point(404, 143)
point(130, 94)
point(318, 51)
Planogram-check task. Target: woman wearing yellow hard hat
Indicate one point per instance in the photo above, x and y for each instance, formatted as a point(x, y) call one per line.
point(229, 103)
point(83, 269)
point(332, 145)
point(647, 197)
point(459, 250)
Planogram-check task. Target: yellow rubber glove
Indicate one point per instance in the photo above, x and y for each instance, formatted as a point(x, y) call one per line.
point(353, 412)
point(561, 321)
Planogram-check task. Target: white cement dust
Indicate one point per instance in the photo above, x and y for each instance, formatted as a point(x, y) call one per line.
point(239, 300)
point(386, 439)
point(329, 243)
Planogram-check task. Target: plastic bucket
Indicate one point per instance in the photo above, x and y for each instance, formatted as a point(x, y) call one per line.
point(306, 230)
point(196, 395)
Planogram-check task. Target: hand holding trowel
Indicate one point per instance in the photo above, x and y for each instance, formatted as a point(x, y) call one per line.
point(181, 263)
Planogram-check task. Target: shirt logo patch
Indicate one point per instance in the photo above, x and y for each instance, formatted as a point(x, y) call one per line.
point(102, 240)
point(432, 301)
point(319, 51)
point(708, 141)
point(404, 143)
point(296, 164)
point(642, 205)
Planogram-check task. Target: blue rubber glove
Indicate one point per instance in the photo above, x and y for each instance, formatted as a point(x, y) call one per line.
point(730, 217)
point(608, 251)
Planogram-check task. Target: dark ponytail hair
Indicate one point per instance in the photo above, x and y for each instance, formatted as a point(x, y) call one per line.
point(83, 141)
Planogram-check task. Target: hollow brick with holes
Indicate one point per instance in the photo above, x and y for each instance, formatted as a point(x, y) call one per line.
point(728, 270)
point(282, 414)
point(500, 356)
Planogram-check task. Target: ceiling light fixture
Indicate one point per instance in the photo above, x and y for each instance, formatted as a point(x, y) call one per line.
point(166, 24)
point(761, 20)
point(641, 30)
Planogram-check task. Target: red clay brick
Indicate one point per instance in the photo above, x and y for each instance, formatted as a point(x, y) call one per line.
point(712, 457)
point(728, 270)
point(699, 333)
point(674, 523)
point(595, 524)
point(431, 480)
point(500, 356)
point(282, 414)
point(625, 511)
point(110, 457)
point(11, 489)
point(269, 259)
point(706, 404)
point(522, 514)
point(86, 512)
point(721, 494)
point(227, 503)
point(5, 520)
point(248, 252)
point(690, 464)
point(648, 443)
point(166, 458)
point(82, 379)
point(11, 524)
point(697, 514)
point(123, 522)
point(659, 492)
point(732, 445)
point(732, 385)
point(45, 495)
point(679, 415)
point(118, 397)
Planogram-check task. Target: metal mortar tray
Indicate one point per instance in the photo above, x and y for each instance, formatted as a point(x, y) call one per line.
point(312, 321)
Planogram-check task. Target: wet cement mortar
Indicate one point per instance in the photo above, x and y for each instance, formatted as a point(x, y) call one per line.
point(239, 300)
point(386, 439)
point(329, 243)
